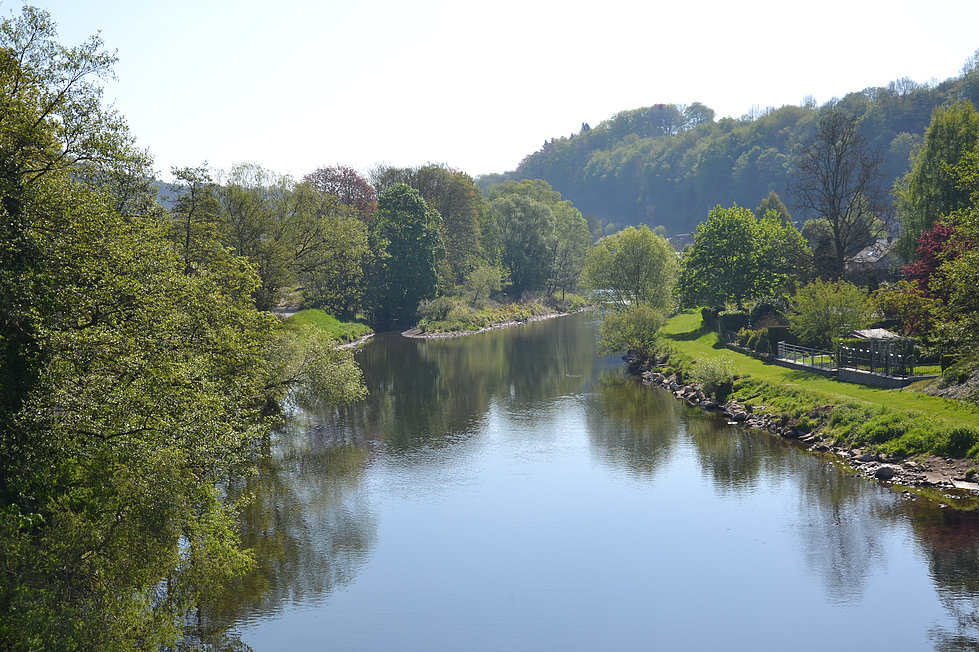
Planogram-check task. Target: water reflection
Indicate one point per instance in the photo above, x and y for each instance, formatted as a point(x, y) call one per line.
point(633, 426)
point(951, 541)
point(309, 525)
point(520, 439)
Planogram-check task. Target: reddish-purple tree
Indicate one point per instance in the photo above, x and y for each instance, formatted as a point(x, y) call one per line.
point(935, 246)
point(347, 186)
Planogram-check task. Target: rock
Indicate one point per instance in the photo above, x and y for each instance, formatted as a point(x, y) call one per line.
point(739, 417)
point(864, 457)
point(884, 472)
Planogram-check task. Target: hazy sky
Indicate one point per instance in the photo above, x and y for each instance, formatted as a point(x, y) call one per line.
point(294, 85)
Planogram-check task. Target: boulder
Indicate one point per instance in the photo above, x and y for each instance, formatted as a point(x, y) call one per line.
point(884, 472)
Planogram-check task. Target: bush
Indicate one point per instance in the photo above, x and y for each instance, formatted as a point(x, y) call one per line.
point(762, 342)
point(577, 303)
point(778, 334)
point(731, 321)
point(634, 329)
point(743, 336)
point(960, 441)
point(708, 316)
point(715, 376)
point(437, 309)
point(767, 313)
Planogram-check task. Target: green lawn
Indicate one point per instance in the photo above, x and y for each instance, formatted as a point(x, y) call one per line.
point(899, 421)
point(342, 331)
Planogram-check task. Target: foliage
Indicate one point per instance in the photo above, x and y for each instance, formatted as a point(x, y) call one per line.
point(526, 229)
point(772, 204)
point(481, 282)
point(715, 376)
point(731, 321)
point(135, 372)
point(406, 247)
point(736, 258)
point(824, 310)
point(914, 310)
point(540, 239)
point(449, 315)
point(930, 189)
point(633, 266)
point(347, 186)
point(629, 170)
point(633, 329)
point(838, 178)
point(329, 252)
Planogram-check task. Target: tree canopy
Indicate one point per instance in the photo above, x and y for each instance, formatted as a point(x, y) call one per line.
point(737, 258)
point(633, 266)
point(406, 245)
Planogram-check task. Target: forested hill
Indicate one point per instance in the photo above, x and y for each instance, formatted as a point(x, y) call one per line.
point(669, 164)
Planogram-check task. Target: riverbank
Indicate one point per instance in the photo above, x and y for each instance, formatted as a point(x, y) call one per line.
point(897, 436)
point(417, 333)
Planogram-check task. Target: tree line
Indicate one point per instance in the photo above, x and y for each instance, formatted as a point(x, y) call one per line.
point(669, 164)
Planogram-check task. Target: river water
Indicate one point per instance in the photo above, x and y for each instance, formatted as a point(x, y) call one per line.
point(514, 491)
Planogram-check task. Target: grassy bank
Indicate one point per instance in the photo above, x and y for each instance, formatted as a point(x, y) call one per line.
point(339, 330)
point(451, 315)
point(896, 422)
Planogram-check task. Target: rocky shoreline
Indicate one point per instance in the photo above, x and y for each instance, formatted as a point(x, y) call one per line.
point(935, 472)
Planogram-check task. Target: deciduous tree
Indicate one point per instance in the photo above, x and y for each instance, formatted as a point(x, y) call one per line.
point(838, 178)
point(633, 266)
point(406, 246)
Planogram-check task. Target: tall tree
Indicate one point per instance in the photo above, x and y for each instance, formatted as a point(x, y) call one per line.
point(129, 386)
point(406, 246)
point(736, 258)
point(838, 178)
point(526, 234)
point(329, 251)
point(459, 201)
point(634, 266)
point(349, 188)
point(930, 189)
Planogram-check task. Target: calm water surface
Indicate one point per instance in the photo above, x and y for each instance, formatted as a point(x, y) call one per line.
point(513, 491)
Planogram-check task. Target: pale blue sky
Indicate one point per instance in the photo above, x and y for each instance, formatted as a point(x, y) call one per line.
point(293, 85)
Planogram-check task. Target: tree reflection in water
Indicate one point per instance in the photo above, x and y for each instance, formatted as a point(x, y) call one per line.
point(308, 524)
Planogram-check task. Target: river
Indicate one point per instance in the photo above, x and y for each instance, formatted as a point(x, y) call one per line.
point(513, 490)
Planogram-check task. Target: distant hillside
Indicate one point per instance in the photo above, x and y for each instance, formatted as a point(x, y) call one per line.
point(669, 164)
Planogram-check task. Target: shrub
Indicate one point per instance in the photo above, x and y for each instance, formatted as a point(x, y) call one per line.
point(437, 309)
point(731, 321)
point(778, 334)
point(743, 336)
point(767, 313)
point(708, 316)
point(715, 376)
point(960, 440)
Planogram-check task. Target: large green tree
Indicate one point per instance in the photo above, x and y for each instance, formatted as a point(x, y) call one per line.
point(824, 310)
point(135, 374)
point(633, 266)
point(931, 189)
point(737, 258)
point(526, 236)
point(406, 245)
